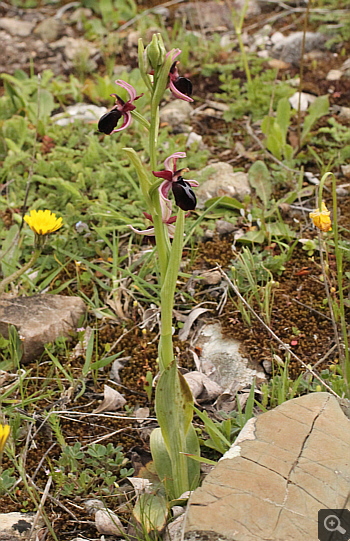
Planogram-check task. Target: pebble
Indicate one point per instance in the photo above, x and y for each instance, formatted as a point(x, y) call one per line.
point(176, 113)
point(289, 48)
point(305, 100)
point(49, 29)
point(194, 138)
point(16, 27)
point(334, 75)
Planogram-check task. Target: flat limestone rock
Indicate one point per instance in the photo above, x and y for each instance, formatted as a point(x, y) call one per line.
point(285, 466)
point(15, 526)
point(39, 319)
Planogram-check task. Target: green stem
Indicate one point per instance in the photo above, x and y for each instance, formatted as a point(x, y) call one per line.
point(153, 134)
point(339, 259)
point(168, 292)
point(14, 276)
point(244, 56)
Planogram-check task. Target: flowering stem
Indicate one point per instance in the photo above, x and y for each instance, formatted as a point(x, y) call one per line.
point(339, 259)
point(168, 292)
point(20, 271)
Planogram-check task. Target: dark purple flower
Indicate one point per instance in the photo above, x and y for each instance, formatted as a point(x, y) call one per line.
point(180, 86)
point(109, 121)
point(182, 189)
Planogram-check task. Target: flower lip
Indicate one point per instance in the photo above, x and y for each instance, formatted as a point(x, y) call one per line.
point(108, 121)
point(184, 195)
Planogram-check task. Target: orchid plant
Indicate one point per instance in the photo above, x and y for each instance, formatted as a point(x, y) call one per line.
point(175, 438)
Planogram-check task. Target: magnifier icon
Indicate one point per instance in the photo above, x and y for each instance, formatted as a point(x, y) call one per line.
point(332, 524)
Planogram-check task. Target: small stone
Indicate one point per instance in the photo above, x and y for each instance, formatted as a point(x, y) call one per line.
point(175, 113)
point(289, 49)
point(344, 113)
point(16, 27)
point(119, 69)
point(222, 181)
point(162, 11)
point(80, 14)
point(305, 100)
point(74, 47)
point(278, 64)
point(174, 529)
point(346, 68)
point(49, 29)
point(194, 138)
point(277, 37)
point(15, 525)
point(224, 228)
point(345, 169)
point(108, 523)
point(334, 75)
point(92, 506)
point(133, 39)
point(79, 111)
point(39, 319)
point(221, 359)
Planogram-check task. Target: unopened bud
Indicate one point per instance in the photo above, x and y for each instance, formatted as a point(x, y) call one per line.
point(135, 303)
point(156, 51)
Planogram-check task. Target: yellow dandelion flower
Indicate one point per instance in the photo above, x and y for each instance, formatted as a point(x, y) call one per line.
point(4, 434)
point(43, 222)
point(321, 218)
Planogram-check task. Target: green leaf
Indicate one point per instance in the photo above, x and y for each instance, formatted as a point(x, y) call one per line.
point(89, 350)
point(253, 236)
point(151, 512)
point(174, 404)
point(318, 108)
point(259, 179)
point(280, 229)
point(283, 116)
point(226, 202)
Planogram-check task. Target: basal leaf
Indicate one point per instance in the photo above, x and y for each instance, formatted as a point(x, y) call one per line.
point(259, 179)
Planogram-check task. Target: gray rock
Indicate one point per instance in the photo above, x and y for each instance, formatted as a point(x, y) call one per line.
point(173, 531)
point(74, 47)
point(334, 75)
point(222, 181)
point(79, 111)
point(194, 138)
point(39, 320)
point(305, 100)
point(284, 467)
point(289, 49)
point(92, 506)
point(15, 526)
point(214, 15)
point(176, 113)
point(344, 113)
point(346, 68)
point(224, 228)
point(49, 29)
point(16, 27)
point(221, 359)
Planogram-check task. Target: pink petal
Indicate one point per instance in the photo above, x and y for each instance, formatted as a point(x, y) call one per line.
point(131, 90)
point(126, 122)
point(177, 93)
point(167, 175)
point(174, 157)
point(147, 232)
point(175, 54)
point(164, 189)
point(171, 230)
point(165, 205)
point(193, 183)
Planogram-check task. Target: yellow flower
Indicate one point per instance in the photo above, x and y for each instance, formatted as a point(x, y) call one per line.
point(321, 218)
point(4, 434)
point(43, 222)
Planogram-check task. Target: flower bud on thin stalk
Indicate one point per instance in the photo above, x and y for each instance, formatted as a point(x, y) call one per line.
point(183, 473)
